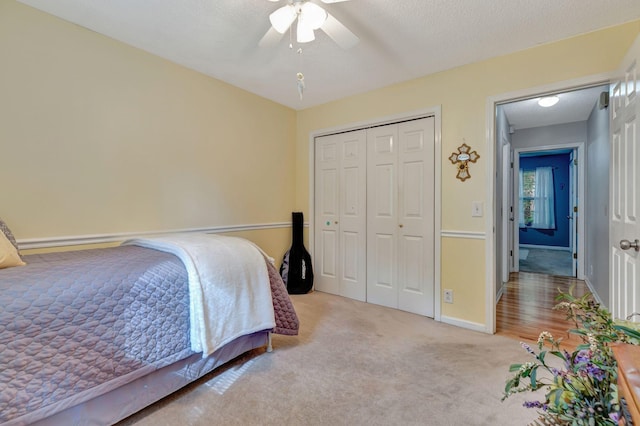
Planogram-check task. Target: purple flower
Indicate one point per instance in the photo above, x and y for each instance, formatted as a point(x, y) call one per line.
point(527, 348)
point(533, 404)
point(583, 356)
point(615, 417)
point(595, 372)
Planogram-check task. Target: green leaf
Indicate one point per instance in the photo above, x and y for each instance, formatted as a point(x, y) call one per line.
point(542, 355)
point(534, 374)
point(628, 331)
point(556, 395)
point(510, 385)
point(514, 367)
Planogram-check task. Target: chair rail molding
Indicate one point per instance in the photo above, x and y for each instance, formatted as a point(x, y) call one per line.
point(34, 243)
point(473, 235)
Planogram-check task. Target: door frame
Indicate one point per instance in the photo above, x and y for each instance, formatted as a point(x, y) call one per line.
point(578, 147)
point(436, 112)
point(492, 168)
point(576, 178)
point(508, 258)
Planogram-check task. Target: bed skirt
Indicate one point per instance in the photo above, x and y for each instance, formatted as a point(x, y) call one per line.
point(126, 400)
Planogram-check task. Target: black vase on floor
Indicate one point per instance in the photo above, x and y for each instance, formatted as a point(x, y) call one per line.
point(296, 269)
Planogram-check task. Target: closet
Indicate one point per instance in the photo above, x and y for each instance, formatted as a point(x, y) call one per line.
point(374, 215)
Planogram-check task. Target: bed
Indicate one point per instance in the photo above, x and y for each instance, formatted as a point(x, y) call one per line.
point(91, 337)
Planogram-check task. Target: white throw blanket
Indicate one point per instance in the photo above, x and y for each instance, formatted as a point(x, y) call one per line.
point(229, 288)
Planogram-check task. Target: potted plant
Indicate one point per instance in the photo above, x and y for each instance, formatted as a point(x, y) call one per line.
point(580, 387)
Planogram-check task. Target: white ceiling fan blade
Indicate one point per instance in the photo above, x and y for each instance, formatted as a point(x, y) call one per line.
point(313, 15)
point(270, 38)
point(339, 33)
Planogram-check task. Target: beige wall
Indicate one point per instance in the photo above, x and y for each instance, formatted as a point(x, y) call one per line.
point(98, 137)
point(462, 93)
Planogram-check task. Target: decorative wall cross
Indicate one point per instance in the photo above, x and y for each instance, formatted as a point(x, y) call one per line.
point(461, 160)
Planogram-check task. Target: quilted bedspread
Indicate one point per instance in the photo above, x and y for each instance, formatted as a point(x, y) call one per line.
point(75, 325)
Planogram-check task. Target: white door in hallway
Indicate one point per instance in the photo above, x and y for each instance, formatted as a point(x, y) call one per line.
point(400, 218)
point(340, 214)
point(624, 187)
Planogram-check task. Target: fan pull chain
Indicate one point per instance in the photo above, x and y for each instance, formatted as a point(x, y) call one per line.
point(300, 76)
point(290, 38)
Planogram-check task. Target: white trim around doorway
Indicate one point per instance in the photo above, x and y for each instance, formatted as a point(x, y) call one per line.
point(491, 103)
point(580, 148)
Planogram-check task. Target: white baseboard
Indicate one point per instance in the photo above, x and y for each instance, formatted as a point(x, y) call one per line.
point(464, 324)
point(500, 293)
point(593, 292)
point(533, 246)
point(76, 240)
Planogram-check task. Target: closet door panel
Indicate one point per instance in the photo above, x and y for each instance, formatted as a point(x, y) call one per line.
point(412, 191)
point(327, 198)
point(416, 216)
point(411, 271)
point(340, 214)
point(353, 214)
point(384, 192)
point(382, 215)
point(328, 256)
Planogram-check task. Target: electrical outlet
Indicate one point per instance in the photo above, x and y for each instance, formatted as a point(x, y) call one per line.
point(448, 296)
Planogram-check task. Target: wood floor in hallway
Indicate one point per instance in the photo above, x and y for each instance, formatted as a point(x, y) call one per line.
point(526, 307)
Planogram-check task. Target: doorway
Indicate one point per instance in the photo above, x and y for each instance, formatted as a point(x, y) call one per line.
point(546, 205)
point(566, 130)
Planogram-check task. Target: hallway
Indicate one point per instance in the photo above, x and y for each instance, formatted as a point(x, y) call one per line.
point(526, 307)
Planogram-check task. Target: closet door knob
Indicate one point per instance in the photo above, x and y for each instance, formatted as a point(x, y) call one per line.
point(401, 225)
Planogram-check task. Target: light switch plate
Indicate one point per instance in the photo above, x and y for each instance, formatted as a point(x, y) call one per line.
point(477, 208)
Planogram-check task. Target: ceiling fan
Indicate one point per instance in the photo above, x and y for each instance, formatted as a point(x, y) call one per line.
point(310, 17)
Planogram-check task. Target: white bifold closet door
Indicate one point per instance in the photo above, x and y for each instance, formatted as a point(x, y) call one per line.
point(340, 214)
point(400, 216)
point(374, 215)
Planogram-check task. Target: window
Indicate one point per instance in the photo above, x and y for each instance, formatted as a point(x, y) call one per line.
point(537, 198)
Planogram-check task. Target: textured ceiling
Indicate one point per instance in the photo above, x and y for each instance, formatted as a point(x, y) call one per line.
point(399, 40)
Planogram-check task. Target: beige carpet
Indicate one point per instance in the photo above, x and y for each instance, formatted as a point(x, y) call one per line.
point(356, 364)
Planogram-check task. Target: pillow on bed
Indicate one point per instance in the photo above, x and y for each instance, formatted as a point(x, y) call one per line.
point(7, 232)
point(8, 253)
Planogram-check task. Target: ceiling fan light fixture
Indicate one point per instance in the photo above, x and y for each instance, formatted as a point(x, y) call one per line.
point(282, 18)
point(305, 32)
point(548, 101)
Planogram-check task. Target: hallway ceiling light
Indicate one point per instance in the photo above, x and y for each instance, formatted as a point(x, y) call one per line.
point(548, 101)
